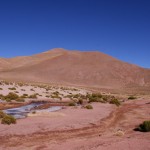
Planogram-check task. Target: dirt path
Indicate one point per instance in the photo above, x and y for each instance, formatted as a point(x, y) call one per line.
point(94, 130)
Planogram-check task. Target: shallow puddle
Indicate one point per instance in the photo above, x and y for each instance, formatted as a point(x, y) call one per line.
point(21, 112)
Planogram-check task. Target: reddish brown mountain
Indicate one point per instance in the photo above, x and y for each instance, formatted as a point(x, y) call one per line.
point(91, 69)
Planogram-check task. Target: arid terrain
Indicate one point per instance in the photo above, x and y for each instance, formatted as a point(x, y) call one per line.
point(102, 101)
point(89, 69)
point(104, 127)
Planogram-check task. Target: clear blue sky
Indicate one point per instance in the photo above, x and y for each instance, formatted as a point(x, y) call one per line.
point(120, 28)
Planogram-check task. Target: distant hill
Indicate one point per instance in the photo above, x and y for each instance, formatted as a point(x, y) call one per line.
point(90, 69)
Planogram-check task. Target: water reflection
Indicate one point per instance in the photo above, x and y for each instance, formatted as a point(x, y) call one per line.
point(21, 112)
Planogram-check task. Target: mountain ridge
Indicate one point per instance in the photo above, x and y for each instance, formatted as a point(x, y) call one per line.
point(79, 68)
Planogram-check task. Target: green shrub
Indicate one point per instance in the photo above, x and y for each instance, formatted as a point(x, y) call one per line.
point(72, 104)
point(24, 96)
point(11, 96)
point(33, 112)
point(145, 126)
point(94, 97)
point(33, 96)
point(13, 88)
point(56, 96)
point(76, 96)
point(69, 96)
point(32, 90)
point(2, 114)
point(89, 107)
point(47, 96)
point(23, 90)
point(115, 101)
point(105, 98)
point(132, 97)
point(80, 101)
point(55, 93)
point(8, 119)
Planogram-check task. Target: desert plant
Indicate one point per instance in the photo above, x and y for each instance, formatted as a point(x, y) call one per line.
point(2, 114)
point(68, 96)
point(72, 104)
point(56, 93)
point(25, 95)
point(94, 97)
point(47, 96)
point(33, 112)
point(145, 126)
point(131, 97)
point(8, 119)
point(89, 107)
point(115, 101)
point(32, 90)
point(11, 96)
point(33, 96)
point(23, 90)
point(80, 101)
point(13, 88)
point(56, 96)
point(76, 96)
point(105, 98)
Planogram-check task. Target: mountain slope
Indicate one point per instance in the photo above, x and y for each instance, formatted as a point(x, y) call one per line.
point(92, 69)
point(21, 61)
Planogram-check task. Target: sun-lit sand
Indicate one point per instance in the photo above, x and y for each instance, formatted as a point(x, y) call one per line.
point(75, 128)
point(69, 118)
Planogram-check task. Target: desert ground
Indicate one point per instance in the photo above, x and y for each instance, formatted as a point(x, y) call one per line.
point(100, 101)
point(105, 127)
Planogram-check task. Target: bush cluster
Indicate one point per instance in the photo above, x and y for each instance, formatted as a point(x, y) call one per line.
point(115, 101)
point(56, 95)
point(94, 97)
point(97, 97)
point(7, 119)
point(13, 88)
point(80, 101)
point(14, 96)
point(11, 96)
point(145, 126)
point(33, 96)
point(131, 97)
point(72, 104)
point(89, 107)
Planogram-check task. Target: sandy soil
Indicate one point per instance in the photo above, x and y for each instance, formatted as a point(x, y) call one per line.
point(81, 129)
point(69, 118)
point(41, 90)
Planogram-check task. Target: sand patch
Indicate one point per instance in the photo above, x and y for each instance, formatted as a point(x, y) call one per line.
point(46, 114)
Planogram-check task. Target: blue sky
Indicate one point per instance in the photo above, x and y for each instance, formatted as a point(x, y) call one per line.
point(120, 28)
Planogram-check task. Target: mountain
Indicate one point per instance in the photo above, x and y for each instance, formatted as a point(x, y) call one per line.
point(90, 69)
